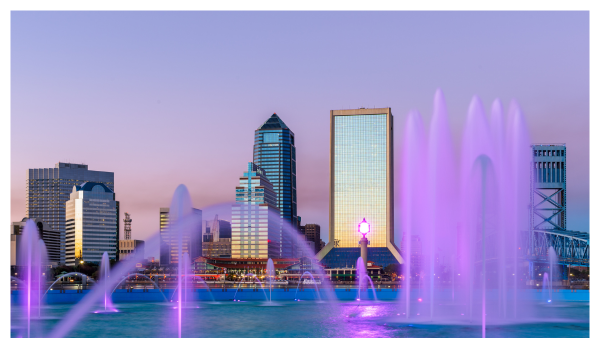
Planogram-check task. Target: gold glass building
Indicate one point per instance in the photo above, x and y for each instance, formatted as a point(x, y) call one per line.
point(361, 186)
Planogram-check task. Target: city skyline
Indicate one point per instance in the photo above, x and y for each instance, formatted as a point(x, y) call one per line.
point(167, 132)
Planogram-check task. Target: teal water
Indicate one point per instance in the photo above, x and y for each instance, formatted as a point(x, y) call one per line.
point(304, 319)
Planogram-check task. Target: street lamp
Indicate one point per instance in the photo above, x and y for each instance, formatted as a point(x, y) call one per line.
point(364, 228)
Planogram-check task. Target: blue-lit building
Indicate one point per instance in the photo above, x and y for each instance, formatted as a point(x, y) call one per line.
point(361, 187)
point(275, 153)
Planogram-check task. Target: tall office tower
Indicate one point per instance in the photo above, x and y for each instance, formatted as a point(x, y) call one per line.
point(256, 229)
point(48, 190)
point(127, 222)
point(169, 239)
point(91, 223)
point(361, 187)
point(50, 237)
point(275, 153)
point(549, 187)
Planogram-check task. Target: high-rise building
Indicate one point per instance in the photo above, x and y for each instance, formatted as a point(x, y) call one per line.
point(361, 187)
point(415, 254)
point(91, 223)
point(216, 238)
point(256, 226)
point(169, 241)
point(275, 153)
point(313, 234)
point(48, 189)
point(50, 237)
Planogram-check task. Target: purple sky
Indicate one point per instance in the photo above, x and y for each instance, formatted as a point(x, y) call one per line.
point(162, 98)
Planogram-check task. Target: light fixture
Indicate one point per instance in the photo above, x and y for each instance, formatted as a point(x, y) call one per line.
point(364, 227)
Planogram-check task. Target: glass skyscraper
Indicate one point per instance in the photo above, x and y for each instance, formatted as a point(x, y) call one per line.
point(275, 153)
point(361, 186)
point(48, 189)
point(91, 223)
point(255, 221)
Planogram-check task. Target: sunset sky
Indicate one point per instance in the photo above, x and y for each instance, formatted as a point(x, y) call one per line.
point(163, 98)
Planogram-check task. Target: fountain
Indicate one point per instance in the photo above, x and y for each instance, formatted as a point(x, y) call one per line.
point(270, 275)
point(104, 274)
point(314, 283)
point(552, 259)
point(142, 276)
point(267, 299)
point(362, 275)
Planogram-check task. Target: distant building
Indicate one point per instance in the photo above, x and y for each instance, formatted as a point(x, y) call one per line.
point(361, 187)
point(416, 252)
point(50, 237)
point(256, 225)
point(169, 241)
point(129, 246)
point(216, 238)
point(127, 226)
point(91, 223)
point(275, 153)
point(48, 189)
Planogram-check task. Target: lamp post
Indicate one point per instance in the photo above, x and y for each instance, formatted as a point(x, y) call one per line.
point(364, 228)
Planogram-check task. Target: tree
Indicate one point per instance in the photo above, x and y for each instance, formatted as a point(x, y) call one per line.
point(393, 268)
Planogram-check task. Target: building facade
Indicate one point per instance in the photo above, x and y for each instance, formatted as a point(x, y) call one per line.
point(129, 246)
point(48, 189)
point(216, 238)
point(91, 223)
point(169, 241)
point(50, 237)
point(275, 153)
point(256, 225)
point(361, 186)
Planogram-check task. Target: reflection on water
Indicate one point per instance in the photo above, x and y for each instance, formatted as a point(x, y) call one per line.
point(305, 319)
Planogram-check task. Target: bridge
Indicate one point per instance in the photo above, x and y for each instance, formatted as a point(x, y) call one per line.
point(548, 213)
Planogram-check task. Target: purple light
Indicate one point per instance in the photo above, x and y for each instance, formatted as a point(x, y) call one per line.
point(549, 300)
point(364, 228)
point(420, 300)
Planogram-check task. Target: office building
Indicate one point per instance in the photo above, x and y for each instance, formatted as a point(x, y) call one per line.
point(361, 187)
point(129, 246)
point(48, 189)
point(91, 223)
point(50, 237)
point(219, 248)
point(169, 239)
point(275, 154)
point(313, 234)
point(127, 225)
point(216, 238)
point(256, 225)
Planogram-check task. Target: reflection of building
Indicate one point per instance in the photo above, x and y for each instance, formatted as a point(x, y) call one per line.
point(255, 221)
point(50, 237)
point(91, 223)
point(275, 153)
point(129, 246)
point(416, 254)
point(361, 186)
point(169, 241)
point(48, 189)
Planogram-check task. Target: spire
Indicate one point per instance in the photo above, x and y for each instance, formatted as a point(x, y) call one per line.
point(274, 122)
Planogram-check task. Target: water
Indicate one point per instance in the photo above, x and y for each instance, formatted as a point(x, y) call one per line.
point(308, 319)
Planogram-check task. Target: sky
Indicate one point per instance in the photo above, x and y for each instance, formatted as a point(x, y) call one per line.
point(165, 98)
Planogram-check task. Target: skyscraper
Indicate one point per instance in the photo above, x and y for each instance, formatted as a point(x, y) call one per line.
point(91, 223)
point(255, 220)
point(48, 189)
point(275, 153)
point(361, 186)
point(169, 242)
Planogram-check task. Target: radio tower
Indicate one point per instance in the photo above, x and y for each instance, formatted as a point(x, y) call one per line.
point(127, 221)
